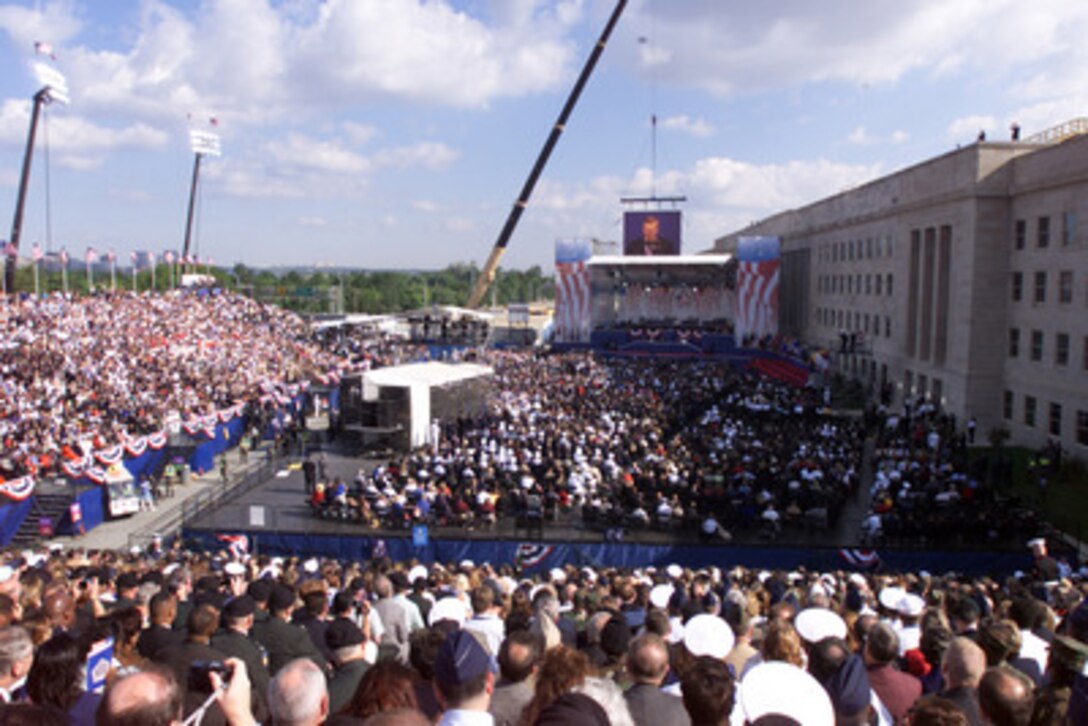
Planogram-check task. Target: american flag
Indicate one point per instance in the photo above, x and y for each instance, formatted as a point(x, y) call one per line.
point(757, 286)
point(111, 256)
point(45, 49)
point(134, 257)
point(36, 254)
point(214, 120)
point(63, 255)
point(10, 250)
point(572, 290)
point(91, 255)
point(150, 258)
point(169, 257)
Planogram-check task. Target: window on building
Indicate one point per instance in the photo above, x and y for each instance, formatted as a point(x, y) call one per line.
point(1040, 286)
point(908, 382)
point(1036, 345)
point(938, 390)
point(879, 284)
point(1017, 286)
point(1021, 234)
point(1082, 427)
point(1006, 405)
point(1055, 421)
point(887, 326)
point(1069, 228)
point(1029, 411)
point(1065, 287)
point(888, 287)
point(869, 248)
point(1061, 349)
point(1042, 238)
point(1014, 342)
point(868, 284)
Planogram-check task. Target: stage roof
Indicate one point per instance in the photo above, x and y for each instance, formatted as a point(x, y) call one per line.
point(661, 261)
point(431, 373)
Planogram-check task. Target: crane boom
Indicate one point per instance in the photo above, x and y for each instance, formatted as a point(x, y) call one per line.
point(487, 275)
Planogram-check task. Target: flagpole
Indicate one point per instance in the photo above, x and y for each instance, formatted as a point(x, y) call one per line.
point(64, 276)
point(37, 287)
point(134, 274)
point(113, 272)
point(90, 276)
point(153, 285)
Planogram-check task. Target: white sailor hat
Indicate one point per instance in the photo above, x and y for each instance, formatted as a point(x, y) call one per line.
point(708, 635)
point(815, 624)
point(890, 596)
point(416, 573)
point(448, 608)
point(674, 571)
point(779, 688)
point(234, 569)
point(660, 596)
point(911, 605)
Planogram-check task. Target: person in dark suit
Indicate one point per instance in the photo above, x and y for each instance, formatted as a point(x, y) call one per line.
point(160, 638)
point(282, 640)
point(345, 640)
point(203, 621)
point(651, 243)
point(235, 642)
point(648, 664)
point(897, 690)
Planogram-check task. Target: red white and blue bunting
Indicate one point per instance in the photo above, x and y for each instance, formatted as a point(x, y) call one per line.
point(18, 489)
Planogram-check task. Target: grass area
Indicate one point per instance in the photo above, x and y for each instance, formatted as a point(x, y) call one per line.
point(1065, 503)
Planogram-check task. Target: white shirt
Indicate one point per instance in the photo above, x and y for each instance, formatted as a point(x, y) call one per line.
point(491, 627)
point(462, 717)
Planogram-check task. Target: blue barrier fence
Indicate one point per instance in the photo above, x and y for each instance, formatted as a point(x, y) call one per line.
point(545, 555)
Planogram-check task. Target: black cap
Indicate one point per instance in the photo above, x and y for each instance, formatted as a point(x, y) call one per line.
point(240, 607)
point(342, 633)
point(259, 590)
point(208, 583)
point(127, 581)
point(282, 598)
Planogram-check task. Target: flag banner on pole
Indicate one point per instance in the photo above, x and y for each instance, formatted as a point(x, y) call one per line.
point(92, 255)
point(169, 257)
point(111, 256)
point(10, 250)
point(758, 261)
point(37, 253)
point(63, 256)
point(572, 290)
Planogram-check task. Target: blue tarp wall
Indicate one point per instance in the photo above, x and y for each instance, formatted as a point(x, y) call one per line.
point(12, 515)
point(601, 554)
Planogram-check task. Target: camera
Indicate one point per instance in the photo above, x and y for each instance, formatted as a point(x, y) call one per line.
point(199, 671)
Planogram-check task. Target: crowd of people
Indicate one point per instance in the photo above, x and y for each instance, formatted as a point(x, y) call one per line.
point(678, 445)
point(925, 489)
point(85, 373)
point(166, 635)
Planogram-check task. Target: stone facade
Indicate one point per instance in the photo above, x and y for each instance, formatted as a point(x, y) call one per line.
point(964, 279)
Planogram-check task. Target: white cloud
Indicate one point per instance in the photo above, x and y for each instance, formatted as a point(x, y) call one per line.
point(860, 137)
point(697, 127)
point(53, 22)
point(359, 134)
point(967, 128)
point(460, 224)
point(754, 46)
point(301, 152)
point(899, 137)
point(312, 221)
point(71, 133)
point(427, 154)
point(424, 205)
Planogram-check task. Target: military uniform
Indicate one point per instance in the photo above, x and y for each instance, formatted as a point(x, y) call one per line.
point(344, 682)
point(238, 645)
point(284, 642)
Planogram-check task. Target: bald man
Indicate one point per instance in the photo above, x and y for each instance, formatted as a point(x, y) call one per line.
point(648, 664)
point(150, 697)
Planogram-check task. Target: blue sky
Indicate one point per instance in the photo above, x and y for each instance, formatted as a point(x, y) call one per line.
point(396, 133)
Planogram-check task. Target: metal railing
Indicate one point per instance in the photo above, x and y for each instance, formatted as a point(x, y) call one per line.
point(172, 522)
point(1059, 133)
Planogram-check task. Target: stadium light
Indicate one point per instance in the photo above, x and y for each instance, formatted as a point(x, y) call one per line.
point(203, 143)
point(54, 89)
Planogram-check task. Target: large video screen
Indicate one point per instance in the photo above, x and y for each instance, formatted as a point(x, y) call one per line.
point(651, 233)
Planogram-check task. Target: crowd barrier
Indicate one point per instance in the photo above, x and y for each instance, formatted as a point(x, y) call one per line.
point(543, 555)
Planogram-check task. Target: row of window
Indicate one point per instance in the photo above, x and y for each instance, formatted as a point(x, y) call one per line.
point(856, 249)
point(1035, 353)
point(1030, 414)
point(1065, 287)
point(856, 321)
point(874, 284)
point(932, 389)
point(1043, 231)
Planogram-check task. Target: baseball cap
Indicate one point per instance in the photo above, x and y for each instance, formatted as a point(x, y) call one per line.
point(460, 660)
point(342, 633)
